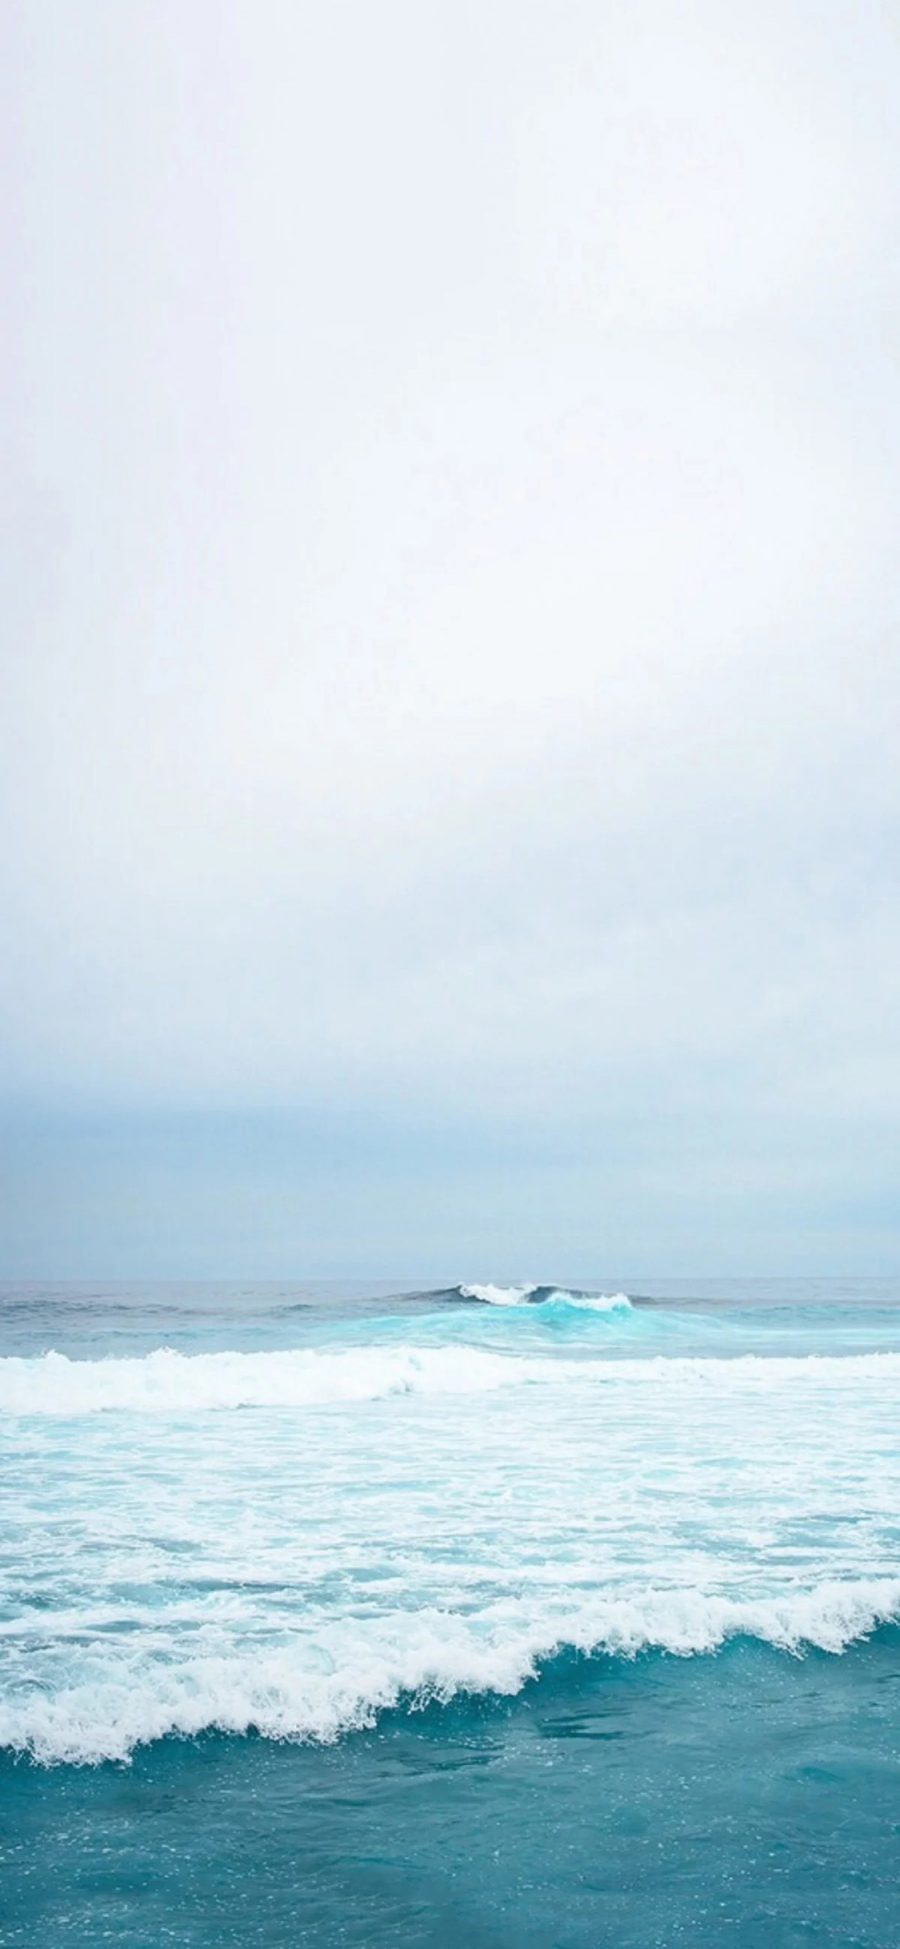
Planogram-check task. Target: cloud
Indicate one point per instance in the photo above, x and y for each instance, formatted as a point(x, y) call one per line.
point(452, 604)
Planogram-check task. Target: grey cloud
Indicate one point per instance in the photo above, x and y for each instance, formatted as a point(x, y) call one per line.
point(451, 610)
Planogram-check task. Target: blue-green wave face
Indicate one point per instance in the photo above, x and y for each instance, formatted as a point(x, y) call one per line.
point(294, 1512)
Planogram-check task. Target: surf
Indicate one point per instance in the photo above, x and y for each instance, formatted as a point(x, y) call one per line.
point(166, 1381)
point(322, 1687)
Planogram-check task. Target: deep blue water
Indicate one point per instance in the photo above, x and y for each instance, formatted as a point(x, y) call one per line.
point(357, 1619)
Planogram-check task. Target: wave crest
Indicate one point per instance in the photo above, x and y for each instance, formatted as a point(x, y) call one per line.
point(546, 1296)
point(172, 1383)
point(317, 1690)
point(167, 1382)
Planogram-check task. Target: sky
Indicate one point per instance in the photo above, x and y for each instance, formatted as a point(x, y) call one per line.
point(449, 738)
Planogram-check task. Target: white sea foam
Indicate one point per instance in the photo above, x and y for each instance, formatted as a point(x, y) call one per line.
point(420, 1516)
point(591, 1302)
point(499, 1295)
point(173, 1383)
point(319, 1688)
point(167, 1382)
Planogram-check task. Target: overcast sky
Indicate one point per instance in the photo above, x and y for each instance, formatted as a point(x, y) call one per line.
point(450, 735)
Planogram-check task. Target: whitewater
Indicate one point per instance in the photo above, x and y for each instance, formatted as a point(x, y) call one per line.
point(289, 1516)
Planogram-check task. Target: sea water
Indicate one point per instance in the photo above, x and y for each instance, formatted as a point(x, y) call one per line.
point(526, 1615)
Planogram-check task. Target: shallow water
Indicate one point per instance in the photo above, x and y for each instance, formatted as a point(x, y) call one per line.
point(564, 1621)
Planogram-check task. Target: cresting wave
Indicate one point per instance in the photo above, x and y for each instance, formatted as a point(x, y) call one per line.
point(166, 1382)
point(316, 1692)
point(543, 1296)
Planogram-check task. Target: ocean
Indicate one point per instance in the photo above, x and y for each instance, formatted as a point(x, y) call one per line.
point(521, 1616)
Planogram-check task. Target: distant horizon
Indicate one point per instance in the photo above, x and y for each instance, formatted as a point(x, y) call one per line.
point(399, 1284)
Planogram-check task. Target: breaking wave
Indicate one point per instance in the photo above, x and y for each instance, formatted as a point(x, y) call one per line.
point(543, 1296)
point(317, 1689)
point(167, 1382)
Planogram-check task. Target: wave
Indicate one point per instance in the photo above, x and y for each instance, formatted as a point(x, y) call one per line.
point(316, 1692)
point(495, 1295)
point(167, 1382)
point(544, 1296)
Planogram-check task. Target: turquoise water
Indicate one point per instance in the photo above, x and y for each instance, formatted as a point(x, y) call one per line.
point(331, 1616)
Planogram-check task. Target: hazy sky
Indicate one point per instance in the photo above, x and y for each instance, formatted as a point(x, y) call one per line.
point(450, 735)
